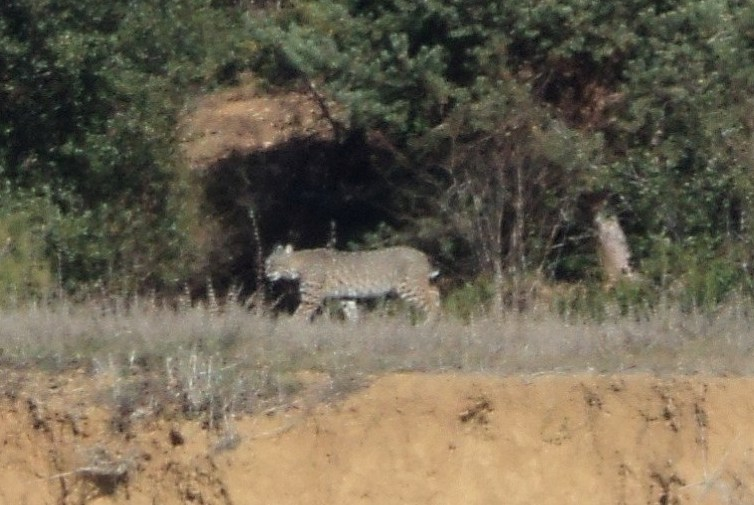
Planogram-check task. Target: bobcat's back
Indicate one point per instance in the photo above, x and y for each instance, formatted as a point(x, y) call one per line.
point(327, 273)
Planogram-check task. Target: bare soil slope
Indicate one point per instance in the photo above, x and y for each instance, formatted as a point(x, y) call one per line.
point(414, 439)
point(242, 119)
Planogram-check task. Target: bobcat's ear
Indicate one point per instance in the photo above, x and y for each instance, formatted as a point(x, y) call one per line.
point(288, 249)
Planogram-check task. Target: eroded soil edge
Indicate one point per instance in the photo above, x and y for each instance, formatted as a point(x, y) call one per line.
point(410, 438)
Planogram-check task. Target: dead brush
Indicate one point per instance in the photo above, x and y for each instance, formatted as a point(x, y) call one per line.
point(201, 385)
point(102, 470)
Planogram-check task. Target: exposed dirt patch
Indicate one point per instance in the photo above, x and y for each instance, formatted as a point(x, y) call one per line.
point(243, 119)
point(556, 439)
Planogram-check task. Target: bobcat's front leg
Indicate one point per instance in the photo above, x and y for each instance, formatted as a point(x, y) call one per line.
point(311, 301)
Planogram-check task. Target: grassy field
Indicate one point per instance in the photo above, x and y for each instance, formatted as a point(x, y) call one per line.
point(213, 361)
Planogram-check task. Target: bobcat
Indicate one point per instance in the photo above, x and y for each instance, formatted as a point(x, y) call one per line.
point(327, 273)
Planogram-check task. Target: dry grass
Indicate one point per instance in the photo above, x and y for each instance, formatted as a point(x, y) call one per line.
point(198, 361)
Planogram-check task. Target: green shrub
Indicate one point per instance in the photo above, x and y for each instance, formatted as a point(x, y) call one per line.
point(473, 299)
point(26, 270)
point(89, 97)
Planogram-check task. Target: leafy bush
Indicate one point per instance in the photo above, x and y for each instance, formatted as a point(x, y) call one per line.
point(26, 271)
point(89, 95)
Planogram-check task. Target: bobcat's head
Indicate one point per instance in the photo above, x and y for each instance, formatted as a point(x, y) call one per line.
point(281, 264)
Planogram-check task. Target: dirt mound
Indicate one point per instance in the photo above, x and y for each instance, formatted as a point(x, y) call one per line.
point(242, 119)
point(556, 439)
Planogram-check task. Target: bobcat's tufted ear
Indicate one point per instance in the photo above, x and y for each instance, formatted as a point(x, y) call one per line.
point(280, 249)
